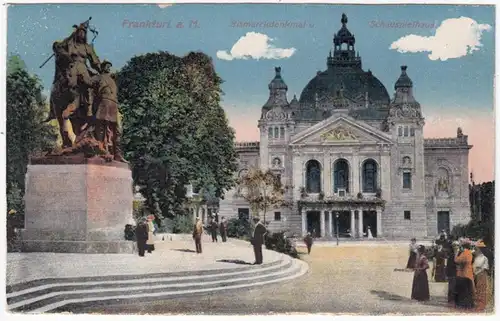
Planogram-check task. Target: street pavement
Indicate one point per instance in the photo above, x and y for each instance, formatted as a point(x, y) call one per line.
point(347, 280)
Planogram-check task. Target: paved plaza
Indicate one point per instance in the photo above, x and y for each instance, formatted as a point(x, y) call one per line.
point(346, 279)
point(353, 278)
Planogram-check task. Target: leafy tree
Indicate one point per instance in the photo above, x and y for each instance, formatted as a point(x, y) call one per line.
point(27, 135)
point(174, 130)
point(262, 190)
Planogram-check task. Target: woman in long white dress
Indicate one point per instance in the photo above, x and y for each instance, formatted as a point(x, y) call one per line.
point(369, 233)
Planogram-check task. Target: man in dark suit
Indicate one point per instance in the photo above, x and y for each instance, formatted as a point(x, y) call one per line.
point(258, 239)
point(223, 229)
point(141, 234)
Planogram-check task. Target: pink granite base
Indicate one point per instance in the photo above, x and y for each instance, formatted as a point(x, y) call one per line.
point(80, 208)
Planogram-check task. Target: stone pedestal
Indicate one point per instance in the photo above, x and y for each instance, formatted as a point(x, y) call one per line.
point(77, 208)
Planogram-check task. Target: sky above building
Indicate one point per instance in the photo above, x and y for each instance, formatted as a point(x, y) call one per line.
point(449, 51)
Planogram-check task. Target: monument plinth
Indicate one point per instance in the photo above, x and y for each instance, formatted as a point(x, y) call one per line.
point(77, 205)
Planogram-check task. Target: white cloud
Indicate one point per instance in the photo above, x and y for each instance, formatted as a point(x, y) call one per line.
point(165, 5)
point(255, 45)
point(454, 38)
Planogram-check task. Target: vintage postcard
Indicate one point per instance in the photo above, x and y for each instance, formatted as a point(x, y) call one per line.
point(244, 158)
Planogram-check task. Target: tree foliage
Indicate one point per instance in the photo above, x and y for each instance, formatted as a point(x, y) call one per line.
point(174, 130)
point(27, 135)
point(262, 190)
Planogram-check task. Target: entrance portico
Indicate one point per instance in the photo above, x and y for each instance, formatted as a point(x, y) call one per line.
point(350, 218)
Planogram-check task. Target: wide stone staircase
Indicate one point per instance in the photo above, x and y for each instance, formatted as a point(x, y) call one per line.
point(70, 294)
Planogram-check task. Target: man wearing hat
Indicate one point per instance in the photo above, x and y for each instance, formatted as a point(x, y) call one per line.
point(258, 239)
point(197, 233)
point(106, 110)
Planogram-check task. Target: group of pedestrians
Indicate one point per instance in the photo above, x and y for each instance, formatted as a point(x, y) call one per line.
point(461, 263)
point(257, 239)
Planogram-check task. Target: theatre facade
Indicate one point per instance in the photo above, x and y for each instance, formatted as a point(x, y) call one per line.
point(356, 158)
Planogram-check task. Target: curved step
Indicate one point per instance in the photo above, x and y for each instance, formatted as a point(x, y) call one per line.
point(22, 300)
point(57, 293)
point(298, 269)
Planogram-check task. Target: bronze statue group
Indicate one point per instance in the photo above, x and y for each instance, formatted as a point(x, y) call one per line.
point(462, 263)
point(84, 100)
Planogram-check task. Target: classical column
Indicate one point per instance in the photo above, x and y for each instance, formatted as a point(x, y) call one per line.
point(330, 223)
point(360, 223)
point(353, 223)
point(355, 181)
point(322, 223)
point(379, 222)
point(304, 223)
point(328, 189)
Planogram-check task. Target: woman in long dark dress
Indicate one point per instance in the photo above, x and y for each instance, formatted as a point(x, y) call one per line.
point(420, 287)
point(439, 266)
point(412, 260)
point(451, 271)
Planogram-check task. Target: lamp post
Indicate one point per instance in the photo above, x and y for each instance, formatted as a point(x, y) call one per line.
point(337, 216)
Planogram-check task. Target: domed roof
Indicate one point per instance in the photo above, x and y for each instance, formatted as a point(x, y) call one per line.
point(359, 88)
point(355, 84)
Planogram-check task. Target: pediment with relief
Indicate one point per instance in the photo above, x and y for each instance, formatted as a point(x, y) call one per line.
point(340, 133)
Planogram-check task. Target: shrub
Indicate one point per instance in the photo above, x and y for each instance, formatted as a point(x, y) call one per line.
point(129, 232)
point(280, 243)
point(239, 228)
point(182, 224)
point(475, 230)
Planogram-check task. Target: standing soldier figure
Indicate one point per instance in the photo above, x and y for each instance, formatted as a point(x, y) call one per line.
point(106, 129)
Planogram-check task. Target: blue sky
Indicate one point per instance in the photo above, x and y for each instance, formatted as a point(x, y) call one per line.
point(460, 85)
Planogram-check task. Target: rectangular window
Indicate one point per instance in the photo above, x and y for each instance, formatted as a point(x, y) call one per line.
point(406, 131)
point(270, 132)
point(278, 178)
point(407, 180)
point(412, 132)
point(400, 131)
point(407, 215)
point(276, 132)
point(277, 216)
point(282, 132)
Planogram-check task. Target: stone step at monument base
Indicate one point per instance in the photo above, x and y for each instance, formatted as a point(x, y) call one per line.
point(68, 295)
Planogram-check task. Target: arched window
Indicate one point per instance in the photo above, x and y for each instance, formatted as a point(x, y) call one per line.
point(370, 176)
point(341, 175)
point(313, 177)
